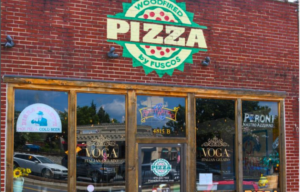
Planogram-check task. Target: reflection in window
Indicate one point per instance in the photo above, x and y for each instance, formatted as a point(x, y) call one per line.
point(261, 144)
point(100, 142)
point(160, 116)
point(40, 140)
point(215, 134)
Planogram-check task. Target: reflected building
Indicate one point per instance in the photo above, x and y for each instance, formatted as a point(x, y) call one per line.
point(110, 131)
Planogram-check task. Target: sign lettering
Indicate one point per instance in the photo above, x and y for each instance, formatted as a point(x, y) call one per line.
point(214, 150)
point(157, 31)
point(40, 118)
point(158, 112)
point(258, 120)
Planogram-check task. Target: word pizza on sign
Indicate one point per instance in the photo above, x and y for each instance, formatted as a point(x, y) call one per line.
point(259, 120)
point(158, 112)
point(161, 167)
point(146, 44)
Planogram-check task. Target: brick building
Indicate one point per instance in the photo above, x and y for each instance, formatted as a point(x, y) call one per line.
point(245, 94)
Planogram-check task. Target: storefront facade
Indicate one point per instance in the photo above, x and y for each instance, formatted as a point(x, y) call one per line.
point(150, 96)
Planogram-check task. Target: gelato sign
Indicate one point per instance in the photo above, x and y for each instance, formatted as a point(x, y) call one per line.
point(39, 118)
point(258, 120)
point(215, 150)
point(158, 35)
point(102, 147)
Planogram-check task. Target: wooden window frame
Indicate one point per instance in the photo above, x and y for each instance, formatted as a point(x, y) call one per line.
point(131, 90)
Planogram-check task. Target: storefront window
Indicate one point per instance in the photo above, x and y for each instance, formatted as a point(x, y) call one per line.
point(261, 145)
point(215, 135)
point(160, 116)
point(100, 142)
point(40, 140)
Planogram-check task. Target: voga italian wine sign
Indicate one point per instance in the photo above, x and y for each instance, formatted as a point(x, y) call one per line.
point(161, 35)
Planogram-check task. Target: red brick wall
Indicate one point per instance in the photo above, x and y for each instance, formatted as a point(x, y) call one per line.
point(253, 44)
point(3, 133)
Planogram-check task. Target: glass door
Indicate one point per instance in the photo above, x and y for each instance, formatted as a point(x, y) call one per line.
point(161, 167)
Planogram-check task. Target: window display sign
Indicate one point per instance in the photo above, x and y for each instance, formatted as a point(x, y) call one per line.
point(39, 118)
point(258, 120)
point(158, 112)
point(161, 167)
point(102, 148)
point(215, 150)
point(147, 45)
point(162, 116)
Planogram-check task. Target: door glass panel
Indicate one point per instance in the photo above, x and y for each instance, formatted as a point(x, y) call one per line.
point(100, 142)
point(160, 116)
point(261, 145)
point(160, 168)
point(40, 141)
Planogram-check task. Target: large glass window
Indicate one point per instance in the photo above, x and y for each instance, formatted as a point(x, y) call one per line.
point(215, 135)
point(261, 145)
point(40, 140)
point(100, 142)
point(160, 116)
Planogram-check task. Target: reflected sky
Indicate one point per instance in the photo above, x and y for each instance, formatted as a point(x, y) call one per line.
point(114, 105)
point(272, 105)
point(57, 100)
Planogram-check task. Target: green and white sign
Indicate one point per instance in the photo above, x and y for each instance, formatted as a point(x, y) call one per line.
point(153, 33)
point(161, 167)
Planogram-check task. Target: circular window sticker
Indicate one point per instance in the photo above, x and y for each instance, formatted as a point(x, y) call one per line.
point(39, 118)
point(161, 167)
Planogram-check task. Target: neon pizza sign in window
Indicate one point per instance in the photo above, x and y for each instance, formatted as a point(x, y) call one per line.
point(158, 112)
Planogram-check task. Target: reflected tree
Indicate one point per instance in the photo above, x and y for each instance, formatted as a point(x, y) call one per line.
point(177, 126)
point(215, 117)
point(88, 115)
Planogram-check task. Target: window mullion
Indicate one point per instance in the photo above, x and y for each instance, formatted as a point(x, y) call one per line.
point(72, 143)
point(191, 143)
point(238, 146)
point(131, 146)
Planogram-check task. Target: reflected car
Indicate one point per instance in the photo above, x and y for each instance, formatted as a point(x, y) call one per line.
point(122, 170)
point(40, 165)
point(230, 185)
point(31, 148)
point(89, 167)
